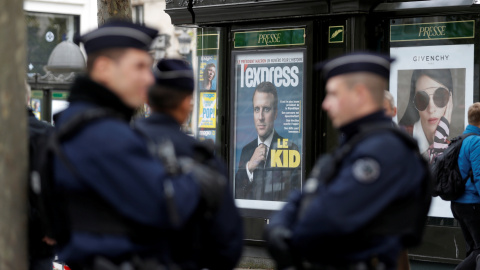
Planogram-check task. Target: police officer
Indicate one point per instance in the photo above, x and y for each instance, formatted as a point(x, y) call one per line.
point(120, 200)
point(40, 247)
point(367, 201)
point(212, 242)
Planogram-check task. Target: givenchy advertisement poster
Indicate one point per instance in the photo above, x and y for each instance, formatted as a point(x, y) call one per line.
point(433, 88)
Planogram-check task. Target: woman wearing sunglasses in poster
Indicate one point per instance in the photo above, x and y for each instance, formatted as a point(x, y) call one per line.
point(429, 111)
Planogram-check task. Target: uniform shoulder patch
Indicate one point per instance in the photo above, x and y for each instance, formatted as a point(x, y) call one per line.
point(366, 170)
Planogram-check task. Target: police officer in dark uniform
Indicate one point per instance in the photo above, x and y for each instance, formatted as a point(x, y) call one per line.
point(207, 241)
point(121, 202)
point(40, 247)
point(367, 201)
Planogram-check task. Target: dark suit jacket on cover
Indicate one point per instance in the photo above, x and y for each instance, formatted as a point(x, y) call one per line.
point(270, 184)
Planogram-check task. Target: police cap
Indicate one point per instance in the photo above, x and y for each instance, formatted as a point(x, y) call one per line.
point(175, 73)
point(356, 62)
point(118, 34)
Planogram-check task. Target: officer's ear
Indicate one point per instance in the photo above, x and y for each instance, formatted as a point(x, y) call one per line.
point(102, 69)
point(363, 94)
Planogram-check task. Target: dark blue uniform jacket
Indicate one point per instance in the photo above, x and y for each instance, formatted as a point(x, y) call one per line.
point(213, 243)
point(357, 194)
point(114, 163)
point(38, 249)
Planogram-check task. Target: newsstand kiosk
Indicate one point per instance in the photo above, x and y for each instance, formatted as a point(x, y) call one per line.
point(249, 42)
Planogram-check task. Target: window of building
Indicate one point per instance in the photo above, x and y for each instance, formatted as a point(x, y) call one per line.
point(137, 14)
point(44, 32)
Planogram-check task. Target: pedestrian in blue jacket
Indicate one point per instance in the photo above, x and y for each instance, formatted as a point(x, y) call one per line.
point(466, 209)
point(122, 203)
point(207, 241)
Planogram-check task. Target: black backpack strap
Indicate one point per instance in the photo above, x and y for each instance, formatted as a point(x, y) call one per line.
point(53, 203)
point(162, 148)
point(327, 166)
point(405, 137)
point(105, 219)
point(72, 127)
point(463, 136)
point(470, 172)
point(367, 131)
point(392, 219)
point(77, 122)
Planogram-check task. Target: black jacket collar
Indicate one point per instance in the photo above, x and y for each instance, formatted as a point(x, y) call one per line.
point(86, 90)
point(164, 120)
point(351, 129)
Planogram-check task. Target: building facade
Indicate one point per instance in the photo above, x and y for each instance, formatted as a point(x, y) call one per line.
point(49, 24)
point(52, 22)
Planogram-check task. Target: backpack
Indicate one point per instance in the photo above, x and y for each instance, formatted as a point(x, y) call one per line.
point(448, 181)
point(51, 204)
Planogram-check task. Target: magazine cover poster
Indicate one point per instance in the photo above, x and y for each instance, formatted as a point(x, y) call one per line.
point(268, 128)
point(433, 88)
point(207, 72)
point(36, 105)
point(207, 110)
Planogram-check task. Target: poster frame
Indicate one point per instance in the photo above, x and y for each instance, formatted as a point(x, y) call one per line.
point(37, 95)
point(264, 213)
point(435, 220)
point(216, 34)
point(200, 93)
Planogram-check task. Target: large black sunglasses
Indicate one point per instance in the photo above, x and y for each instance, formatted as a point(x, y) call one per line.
point(440, 98)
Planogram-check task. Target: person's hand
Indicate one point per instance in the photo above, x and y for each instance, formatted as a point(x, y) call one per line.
point(448, 111)
point(259, 155)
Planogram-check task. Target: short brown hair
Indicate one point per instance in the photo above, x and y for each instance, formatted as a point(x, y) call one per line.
point(268, 88)
point(474, 114)
point(376, 84)
point(114, 54)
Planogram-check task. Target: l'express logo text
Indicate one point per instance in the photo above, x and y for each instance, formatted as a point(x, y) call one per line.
point(279, 76)
point(269, 38)
point(432, 31)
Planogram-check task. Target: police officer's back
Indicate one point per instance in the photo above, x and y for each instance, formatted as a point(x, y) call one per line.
point(209, 240)
point(375, 201)
point(120, 200)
